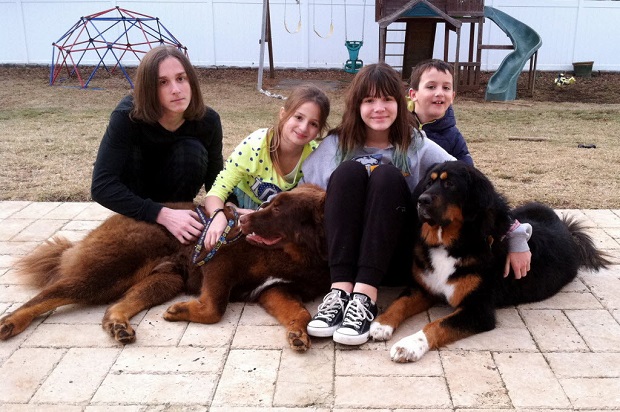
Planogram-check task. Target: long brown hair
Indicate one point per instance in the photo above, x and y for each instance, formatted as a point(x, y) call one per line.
point(299, 95)
point(375, 80)
point(146, 105)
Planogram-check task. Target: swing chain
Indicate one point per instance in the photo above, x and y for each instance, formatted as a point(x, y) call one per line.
point(346, 31)
point(331, 21)
point(299, 13)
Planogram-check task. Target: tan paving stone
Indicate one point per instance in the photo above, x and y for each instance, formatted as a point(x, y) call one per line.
point(603, 217)
point(395, 392)
point(305, 379)
point(36, 210)
point(154, 330)
point(76, 377)
point(248, 379)
point(67, 211)
point(256, 337)
point(585, 365)
point(605, 286)
point(510, 334)
point(11, 227)
point(378, 363)
point(13, 407)
point(530, 381)
point(216, 335)
point(593, 392)
point(24, 371)
point(558, 355)
point(553, 331)
point(150, 389)
point(17, 248)
point(78, 314)
point(136, 359)
point(604, 241)
point(116, 408)
point(94, 211)
point(254, 314)
point(474, 380)
point(273, 409)
point(7, 261)
point(597, 327)
point(17, 293)
point(575, 286)
point(9, 208)
point(70, 336)
point(39, 230)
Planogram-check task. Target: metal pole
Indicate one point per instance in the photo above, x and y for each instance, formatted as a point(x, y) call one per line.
point(262, 45)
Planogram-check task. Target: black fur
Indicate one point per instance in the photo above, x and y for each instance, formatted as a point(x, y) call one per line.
point(460, 254)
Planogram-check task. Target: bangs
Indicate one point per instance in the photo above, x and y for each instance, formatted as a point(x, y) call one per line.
point(381, 86)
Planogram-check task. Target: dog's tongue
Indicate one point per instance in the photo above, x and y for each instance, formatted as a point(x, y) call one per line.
point(255, 238)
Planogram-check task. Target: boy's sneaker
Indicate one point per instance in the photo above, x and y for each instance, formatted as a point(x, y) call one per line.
point(355, 328)
point(330, 314)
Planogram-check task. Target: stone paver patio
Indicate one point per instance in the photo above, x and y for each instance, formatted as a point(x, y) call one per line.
point(562, 354)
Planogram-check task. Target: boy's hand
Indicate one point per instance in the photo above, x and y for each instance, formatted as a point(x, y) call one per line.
point(520, 263)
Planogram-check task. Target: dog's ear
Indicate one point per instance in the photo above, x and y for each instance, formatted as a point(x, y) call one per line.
point(421, 186)
point(484, 204)
point(481, 193)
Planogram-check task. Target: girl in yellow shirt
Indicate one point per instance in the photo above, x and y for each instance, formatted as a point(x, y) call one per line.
point(268, 161)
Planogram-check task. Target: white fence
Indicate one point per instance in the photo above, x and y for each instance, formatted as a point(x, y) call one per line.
point(227, 32)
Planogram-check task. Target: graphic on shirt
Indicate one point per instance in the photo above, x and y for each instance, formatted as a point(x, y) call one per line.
point(370, 161)
point(263, 190)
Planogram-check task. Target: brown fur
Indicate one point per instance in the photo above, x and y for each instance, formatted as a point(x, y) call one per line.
point(135, 265)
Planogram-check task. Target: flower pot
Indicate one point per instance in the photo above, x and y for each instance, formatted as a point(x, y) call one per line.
point(583, 69)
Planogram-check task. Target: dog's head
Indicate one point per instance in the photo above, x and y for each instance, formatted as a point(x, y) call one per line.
point(455, 193)
point(292, 217)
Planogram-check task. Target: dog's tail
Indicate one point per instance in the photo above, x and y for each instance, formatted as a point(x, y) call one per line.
point(42, 266)
point(590, 256)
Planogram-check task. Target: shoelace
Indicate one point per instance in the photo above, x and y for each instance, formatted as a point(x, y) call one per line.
point(355, 313)
point(332, 304)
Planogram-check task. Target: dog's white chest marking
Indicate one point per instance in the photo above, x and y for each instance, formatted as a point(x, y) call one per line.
point(267, 283)
point(437, 280)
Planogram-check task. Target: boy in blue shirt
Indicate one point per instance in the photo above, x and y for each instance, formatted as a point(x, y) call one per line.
point(432, 94)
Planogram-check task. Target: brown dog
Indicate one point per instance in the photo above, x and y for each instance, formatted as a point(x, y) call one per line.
point(136, 265)
point(282, 263)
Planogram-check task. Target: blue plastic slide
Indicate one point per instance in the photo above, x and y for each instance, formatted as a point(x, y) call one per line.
point(503, 84)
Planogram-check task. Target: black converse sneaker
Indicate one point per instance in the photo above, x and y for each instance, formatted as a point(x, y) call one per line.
point(329, 317)
point(355, 326)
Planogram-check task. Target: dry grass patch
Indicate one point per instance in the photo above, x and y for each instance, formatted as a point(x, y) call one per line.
point(529, 148)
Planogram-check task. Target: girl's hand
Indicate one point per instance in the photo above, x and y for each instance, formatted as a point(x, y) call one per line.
point(215, 230)
point(183, 224)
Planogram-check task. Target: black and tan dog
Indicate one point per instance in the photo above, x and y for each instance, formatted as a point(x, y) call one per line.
point(460, 254)
point(136, 265)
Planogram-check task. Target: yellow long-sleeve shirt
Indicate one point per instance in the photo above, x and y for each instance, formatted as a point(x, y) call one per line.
point(250, 170)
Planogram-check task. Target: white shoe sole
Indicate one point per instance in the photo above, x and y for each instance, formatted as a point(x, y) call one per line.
point(322, 332)
point(351, 339)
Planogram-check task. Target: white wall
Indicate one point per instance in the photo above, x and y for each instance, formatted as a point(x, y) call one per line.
point(227, 32)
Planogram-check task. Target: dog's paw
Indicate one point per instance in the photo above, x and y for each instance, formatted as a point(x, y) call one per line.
point(298, 340)
point(121, 331)
point(6, 328)
point(177, 312)
point(381, 332)
point(410, 349)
